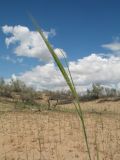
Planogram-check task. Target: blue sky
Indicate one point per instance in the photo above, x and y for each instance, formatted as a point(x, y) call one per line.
point(81, 27)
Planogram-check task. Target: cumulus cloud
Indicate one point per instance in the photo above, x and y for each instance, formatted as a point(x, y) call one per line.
point(85, 71)
point(43, 77)
point(29, 43)
point(95, 68)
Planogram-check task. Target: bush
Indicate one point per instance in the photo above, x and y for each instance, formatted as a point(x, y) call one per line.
point(17, 85)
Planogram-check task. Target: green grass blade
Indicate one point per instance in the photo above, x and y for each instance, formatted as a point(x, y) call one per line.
point(59, 64)
point(68, 78)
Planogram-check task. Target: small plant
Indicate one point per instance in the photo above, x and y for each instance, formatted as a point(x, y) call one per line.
point(68, 78)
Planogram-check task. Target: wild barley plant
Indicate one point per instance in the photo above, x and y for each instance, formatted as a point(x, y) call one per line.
point(69, 80)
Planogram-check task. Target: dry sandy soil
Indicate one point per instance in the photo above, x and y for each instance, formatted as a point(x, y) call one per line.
point(27, 135)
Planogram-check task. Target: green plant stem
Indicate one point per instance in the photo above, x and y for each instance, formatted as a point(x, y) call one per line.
point(69, 80)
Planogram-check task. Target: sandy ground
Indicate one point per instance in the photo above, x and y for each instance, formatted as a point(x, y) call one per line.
point(58, 135)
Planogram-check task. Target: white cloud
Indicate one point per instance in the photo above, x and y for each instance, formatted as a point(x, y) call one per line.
point(13, 60)
point(29, 43)
point(113, 46)
point(14, 77)
point(43, 77)
point(85, 71)
point(91, 69)
point(94, 68)
point(51, 33)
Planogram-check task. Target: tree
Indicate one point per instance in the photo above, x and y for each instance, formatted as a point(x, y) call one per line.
point(2, 82)
point(17, 85)
point(97, 90)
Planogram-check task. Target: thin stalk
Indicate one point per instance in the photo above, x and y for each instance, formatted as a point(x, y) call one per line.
point(69, 80)
point(96, 145)
point(78, 109)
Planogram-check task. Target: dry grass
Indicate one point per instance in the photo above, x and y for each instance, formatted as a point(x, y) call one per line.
point(58, 135)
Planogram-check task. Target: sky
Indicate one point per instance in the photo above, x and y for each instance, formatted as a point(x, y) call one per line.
point(87, 32)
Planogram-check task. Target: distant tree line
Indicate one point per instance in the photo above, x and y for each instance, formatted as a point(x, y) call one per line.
point(98, 91)
point(18, 91)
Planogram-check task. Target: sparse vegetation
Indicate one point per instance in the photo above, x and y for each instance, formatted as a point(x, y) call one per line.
point(49, 135)
point(47, 124)
point(55, 131)
point(100, 92)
